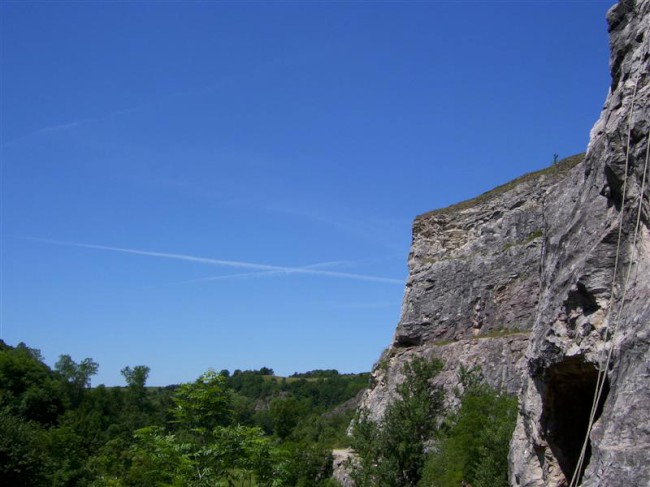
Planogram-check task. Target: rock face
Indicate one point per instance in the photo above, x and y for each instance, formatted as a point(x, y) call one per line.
point(340, 469)
point(521, 281)
point(587, 309)
point(473, 287)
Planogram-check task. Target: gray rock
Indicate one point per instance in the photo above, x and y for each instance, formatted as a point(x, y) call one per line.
point(341, 470)
point(580, 308)
point(473, 286)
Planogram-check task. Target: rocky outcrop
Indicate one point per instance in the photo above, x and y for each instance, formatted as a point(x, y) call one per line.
point(341, 468)
point(588, 308)
point(473, 286)
point(525, 282)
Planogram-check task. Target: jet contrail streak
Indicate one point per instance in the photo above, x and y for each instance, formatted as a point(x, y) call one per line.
point(309, 270)
point(245, 275)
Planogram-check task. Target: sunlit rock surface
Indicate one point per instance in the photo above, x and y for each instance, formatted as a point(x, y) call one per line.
point(473, 286)
point(577, 313)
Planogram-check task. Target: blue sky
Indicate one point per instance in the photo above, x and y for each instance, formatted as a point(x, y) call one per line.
point(232, 184)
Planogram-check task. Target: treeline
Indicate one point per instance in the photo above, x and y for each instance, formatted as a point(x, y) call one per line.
point(235, 429)
point(245, 428)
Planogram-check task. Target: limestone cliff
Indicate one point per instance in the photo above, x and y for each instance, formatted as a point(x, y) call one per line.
point(586, 308)
point(521, 281)
point(473, 286)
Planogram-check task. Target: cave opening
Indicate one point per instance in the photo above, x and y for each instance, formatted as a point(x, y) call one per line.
point(568, 395)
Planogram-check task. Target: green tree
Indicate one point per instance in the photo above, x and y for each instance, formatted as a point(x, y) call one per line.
point(137, 404)
point(307, 465)
point(234, 454)
point(136, 377)
point(392, 453)
point(77, 375)
point(202, 405)
point(22, 452)
point(158, 458)
point(57, 431)
point(285, 414)
point(475, 447)
point(28, 388)
point(241, 453)
point(69, 447)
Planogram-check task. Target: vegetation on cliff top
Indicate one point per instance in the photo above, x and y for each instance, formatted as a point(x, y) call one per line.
point(558, 169)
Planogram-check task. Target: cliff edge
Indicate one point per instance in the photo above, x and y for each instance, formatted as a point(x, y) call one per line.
point(473, 286)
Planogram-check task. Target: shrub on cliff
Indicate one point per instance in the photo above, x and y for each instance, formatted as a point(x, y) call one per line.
point(393, 453)
point(474, 449)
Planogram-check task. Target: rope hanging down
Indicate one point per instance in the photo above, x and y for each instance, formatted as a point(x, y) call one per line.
point(604, 367)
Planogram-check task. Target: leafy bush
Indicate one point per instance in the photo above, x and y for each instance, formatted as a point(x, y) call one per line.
point(474, 449)
point(393, 453)
point(22, 452)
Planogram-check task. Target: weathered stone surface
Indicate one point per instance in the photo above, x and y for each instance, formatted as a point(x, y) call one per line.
point(578, 313)
point(341, 471)
point(530, 267)
point(473, 286)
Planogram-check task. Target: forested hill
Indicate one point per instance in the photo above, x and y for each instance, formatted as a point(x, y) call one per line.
point(234, 427)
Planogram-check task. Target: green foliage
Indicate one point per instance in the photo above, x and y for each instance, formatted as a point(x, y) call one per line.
point(323, 393)
point(321, 388)
point(28, 388)
point(190, 456)
point(266, 371)
point(241, 452)
point(77, 375)
point(137, 402)
point(475, 447)
point(318, 373)
point(136, 377)
point(231, 455)
point(204, 404)
point(68, 450)
point(22, 452)
point(56, 431)
point(327, 430)
point(250, 383)
point(393, 453)
point(285, 414)
point(158, 458)
point(307, 465)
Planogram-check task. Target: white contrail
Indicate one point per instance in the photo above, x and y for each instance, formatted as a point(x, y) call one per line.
point(309, 270)
point(246, 275)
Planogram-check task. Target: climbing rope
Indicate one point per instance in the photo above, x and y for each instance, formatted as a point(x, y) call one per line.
point(602, 372)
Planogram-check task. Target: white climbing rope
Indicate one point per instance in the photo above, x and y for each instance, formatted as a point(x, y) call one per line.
point(602, 373)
